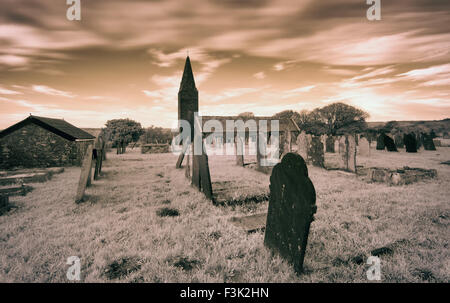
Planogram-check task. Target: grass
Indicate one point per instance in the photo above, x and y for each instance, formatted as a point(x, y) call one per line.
point(119, 236)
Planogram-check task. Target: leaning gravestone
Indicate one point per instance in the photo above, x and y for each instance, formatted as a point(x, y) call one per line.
point(85, 173)
point(302, 145)
point(292, 206)
point(410, 143)
point(363, 147)
point(316, 152)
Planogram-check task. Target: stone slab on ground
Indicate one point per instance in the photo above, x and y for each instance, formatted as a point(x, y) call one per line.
point(26, 178)
point(251, 223)
point(12, 190)
point(404, 176)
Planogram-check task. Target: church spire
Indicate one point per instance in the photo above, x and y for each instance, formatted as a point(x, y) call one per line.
point(187, 82)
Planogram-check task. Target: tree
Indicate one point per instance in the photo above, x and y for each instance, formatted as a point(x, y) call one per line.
point(340, 118)
point(246, 115)
point(122, 132)
point(154, 134)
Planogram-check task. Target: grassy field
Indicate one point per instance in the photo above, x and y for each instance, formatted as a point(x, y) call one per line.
point(119, 236)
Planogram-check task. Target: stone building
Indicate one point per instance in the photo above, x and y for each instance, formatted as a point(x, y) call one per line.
point(42, 142)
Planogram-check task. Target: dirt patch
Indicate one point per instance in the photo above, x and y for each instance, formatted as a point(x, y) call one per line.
point(167, 212)
point(122, 267)
point(184, 263)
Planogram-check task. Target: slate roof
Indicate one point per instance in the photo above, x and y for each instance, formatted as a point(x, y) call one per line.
point(59, 127)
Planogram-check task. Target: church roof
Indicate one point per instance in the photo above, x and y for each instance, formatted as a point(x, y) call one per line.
point(187, 82)
point(59, 127)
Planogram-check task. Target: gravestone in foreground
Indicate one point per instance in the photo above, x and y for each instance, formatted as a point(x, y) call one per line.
point(292, 206)
point(302, 145)
point(85, 173)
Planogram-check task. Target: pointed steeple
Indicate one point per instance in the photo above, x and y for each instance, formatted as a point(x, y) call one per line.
point(187, 82)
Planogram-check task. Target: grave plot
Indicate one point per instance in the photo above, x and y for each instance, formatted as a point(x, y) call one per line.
point(28, 175)
point(233, 185)
point(404, 176)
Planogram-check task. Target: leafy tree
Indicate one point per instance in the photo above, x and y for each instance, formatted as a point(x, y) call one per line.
point(154, 134)
point(122, 132)
point(339, 118)
point(246, 115)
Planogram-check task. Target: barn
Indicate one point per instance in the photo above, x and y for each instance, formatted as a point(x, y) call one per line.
point(37, 142)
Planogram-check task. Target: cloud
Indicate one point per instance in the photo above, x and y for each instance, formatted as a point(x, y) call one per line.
point(4, 91)
point(51, 91)
point(259, 75)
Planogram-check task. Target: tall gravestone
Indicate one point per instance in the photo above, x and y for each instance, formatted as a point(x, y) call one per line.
point(316, 152)
point(380, 142)
point(302, 145)
point(351, 151)
point(329, 144)
point(86, 168)
point(363, 147)
point(292, 206)
point(337, 141)
point(239, 150)
point(418, 141)
point(410, 143)
point(323, 139)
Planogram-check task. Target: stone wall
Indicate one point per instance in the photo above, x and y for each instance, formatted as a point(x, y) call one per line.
point(32, 146)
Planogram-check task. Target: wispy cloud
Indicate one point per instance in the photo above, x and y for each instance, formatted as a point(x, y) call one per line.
point(51, 91)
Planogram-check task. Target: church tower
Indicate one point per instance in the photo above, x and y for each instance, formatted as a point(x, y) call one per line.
point(187, 96)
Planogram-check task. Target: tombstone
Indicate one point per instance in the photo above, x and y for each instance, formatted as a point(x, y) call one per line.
point(428, 143)
point(418, 141)
point(323, 139)
point(329, 144)
point(316, 152)
point(389, 143)
point(343, 156)
point(302, 145)
point(86, 168)
point(363, 147)
point(380, 142)
point(292, 206)
point(239, 150)
point(398, 139)
point(205, 177)
point(351, 151)
point(410, 142)
point(336, 145)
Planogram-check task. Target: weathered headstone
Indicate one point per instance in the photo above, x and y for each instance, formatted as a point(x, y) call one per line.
point(323, 139)
point(343, 155)
point(428, 143)
point(239, 144)
point(205, 177)
point(363, 147)
point(398, 139)
point(292, 206)
point(302, 145)
point(316, 152)
point(330, 146)
point(410, 143)
point(336, 145)
point(351, 151)
point(86, 168)
point(418, 141)
point(380, 142)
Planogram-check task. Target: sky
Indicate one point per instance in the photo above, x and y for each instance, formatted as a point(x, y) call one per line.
point(124, 59)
